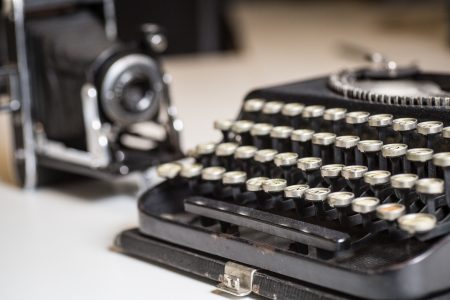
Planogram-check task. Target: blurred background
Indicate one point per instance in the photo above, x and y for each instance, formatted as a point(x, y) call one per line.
point(218, 52)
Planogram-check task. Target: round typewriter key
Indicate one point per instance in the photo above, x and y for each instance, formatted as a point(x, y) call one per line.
point(168, 170)
point(404, 181)
point(261, 135)
point(242, 126)
point(341, 201)
point(390, 211)
point(254, 105)
point(428, 190)
point(191, 170)
point(404, 124)
point(345, 151)
point(430, 127)
point(313, 111)
point(281, 138)
point(322, 146)
point(369, 151)
point(317, 196)
point(357, 117)
point(206, 148)
point(295, 194)
point(370, 146)
point(255, 184)
point(224, 126)
point(365, 205)
point(310, 167)
point(244, 158)
point(301, 141)
point(285, 159)
point(213, 173)
point(292, 109)
point(226, 149)
point(334, 114)
point(331, 175)
point(394, 154)
point(377, 177)
point(323, 138)
point(419, 162)
point(263, 159)
point(295, 191)
point(273, 107)
point(274, 185)
point(442, 160)
point(446, 132)
point(417, 223)
point(381, 120)
point(234, 177)
point(354, 178)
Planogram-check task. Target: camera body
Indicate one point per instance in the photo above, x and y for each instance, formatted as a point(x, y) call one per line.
point(88, 103)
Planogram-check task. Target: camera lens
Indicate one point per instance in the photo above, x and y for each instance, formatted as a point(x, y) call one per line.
point(136, 95)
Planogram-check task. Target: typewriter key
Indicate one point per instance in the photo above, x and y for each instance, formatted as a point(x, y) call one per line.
point(236, 181)
point(402, 184)
point(271, 111)
point(336, 119)
point(345, 149)
point(354, 177)
point(366, 206)
point(317, 196)
point(168, 170)
point(242, 129)
point(295, 193)
point(341, 201)
point(431, 131)
point(357, 119)
point(224, 126)
point(377, 181)
point(252, 109)
point(381, 123)
point(225, 153)
point(255, 184)
point(213, 173)
point(442, 160)
point(244, 158)
point(301, 142)
point(370, 153)
point(313, 116)
point(322, 146)
point(446, 132)
point(281, 138)
point(261, 135)
point(263, 159)
point(331, 174)
point(212, 181)
point(292, 111)
point(275, 188)
point(191, 173)
point(394, 154)
point(286, 161)
point(405, 127)
point(390, 211)
point(205, 152)
point(429, 189)
point(417, 223)
point(310, 167)
point(419, 162)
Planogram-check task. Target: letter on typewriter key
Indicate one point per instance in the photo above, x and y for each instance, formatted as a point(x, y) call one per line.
point(394, 154)
point(419, 162)
point(405, 127)
point(442, 160)
point(403, 184)
point(312, 115)
point(224, 126)
point(417, 223)
point(370, 153)
point(431, 131)
point(429, 189)
point(261, 135)
point(168, 170)
point(366, 206)
point(292, 111)
point(341, 201)
point(335, 119)
point(242, 129)
point(345, 152)
point(331, 174)
point(323, 146)
point(252, 109)
point(301, 142)
point(281, 138)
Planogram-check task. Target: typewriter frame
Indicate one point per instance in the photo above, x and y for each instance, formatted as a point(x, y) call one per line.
point(282, 274)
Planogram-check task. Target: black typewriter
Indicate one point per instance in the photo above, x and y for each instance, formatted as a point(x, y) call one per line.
point(332, 188)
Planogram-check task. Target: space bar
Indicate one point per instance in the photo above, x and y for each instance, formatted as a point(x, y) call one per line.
point(295, 230)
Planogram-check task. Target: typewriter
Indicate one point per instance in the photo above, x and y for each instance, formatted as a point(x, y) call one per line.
point(332, 188)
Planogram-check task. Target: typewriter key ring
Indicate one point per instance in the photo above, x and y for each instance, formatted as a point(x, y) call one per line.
point(417, 223)
point(403, 184)
point(429, 189)
point(310, 167)
point(345, 151)
point(331, 174)
point(317, 196)
point(381, 123)
point(419, 162)
point(366, 207)
point(286, 162)
point(430, 130)
point(394, 154)
point(342, 202)
point(405, 127)
point(378, 181)
point(354, 177)
point(275, 189)
point(370, 153)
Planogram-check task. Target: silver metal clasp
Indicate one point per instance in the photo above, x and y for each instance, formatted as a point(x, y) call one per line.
point(237, 279)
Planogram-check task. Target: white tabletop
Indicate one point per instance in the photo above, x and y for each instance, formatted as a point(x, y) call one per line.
point(55, 241)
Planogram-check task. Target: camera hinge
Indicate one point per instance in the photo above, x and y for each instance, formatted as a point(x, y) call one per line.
point(237, 279)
